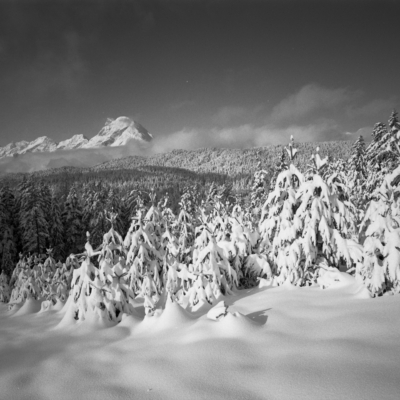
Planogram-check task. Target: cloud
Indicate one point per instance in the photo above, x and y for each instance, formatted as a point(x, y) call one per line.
point(309, 99)
point(373, 108)
point(226, 115)
point(246, 135)
point(86, 158)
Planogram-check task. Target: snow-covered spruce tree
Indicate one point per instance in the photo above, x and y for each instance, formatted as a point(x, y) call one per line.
point(92, 295)
point(357, 161)
point(382, 153)
point(279, 227)
point(356, 176)
point(381, 268)
point(28, 284)
point(328, 222)
point(215, 275)
point(143, 261)
point(278, 168)
point(136, 201)
point(113, 270)
point(259, 190)
point(309, 223)
point(61, 282)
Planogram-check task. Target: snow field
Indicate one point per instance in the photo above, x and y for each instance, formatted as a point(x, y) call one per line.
point(286, 343)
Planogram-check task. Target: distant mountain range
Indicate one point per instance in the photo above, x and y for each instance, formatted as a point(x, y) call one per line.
point(118, 132)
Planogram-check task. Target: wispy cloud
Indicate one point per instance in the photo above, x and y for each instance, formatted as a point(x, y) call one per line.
point(226, 115)
point(309, 99)
point(30, 162)
point(372, 108)
point(244, 136)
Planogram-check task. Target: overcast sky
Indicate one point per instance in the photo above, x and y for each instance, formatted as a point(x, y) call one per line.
point(199, 73)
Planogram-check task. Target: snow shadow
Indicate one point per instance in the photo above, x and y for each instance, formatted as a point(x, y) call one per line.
point(260, 317)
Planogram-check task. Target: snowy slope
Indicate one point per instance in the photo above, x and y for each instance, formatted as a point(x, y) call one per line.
point(13, 148)
point(42, 144)
point(75, 142)
point(286, 343)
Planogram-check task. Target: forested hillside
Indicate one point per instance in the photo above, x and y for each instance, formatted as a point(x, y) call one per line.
point(231, 162)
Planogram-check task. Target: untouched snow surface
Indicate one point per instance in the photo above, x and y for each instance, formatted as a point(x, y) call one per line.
point(274, 343)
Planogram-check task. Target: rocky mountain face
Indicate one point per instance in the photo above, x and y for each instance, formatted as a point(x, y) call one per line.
point(118, 132)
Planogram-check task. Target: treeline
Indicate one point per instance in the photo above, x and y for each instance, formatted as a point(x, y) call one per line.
point(231, 162)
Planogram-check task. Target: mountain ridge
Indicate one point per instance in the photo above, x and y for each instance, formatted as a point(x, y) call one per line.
point(115, 132)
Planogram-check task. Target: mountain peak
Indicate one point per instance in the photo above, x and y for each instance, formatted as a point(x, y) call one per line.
point(118, 132)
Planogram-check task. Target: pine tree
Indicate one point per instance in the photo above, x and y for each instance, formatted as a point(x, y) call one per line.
point(259, 190)
point(357, 161)
point(381, 268)
point(382, 153)
point(8, 245)
point(33, 222)
point(56, 228)
point(72, 221)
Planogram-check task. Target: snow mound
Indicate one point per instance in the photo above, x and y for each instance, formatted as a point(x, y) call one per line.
point(237, 325)
point(333, 278)
point(30, 306)
point(173, 316)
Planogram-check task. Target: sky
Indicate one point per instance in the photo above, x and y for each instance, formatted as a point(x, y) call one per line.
point(199, 73)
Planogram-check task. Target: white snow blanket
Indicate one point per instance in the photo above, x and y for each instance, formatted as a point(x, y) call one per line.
point(274, 343)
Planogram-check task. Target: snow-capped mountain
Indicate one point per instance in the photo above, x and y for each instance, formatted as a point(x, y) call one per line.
point(118, 132)
point(76, 142)
point(13, 148)
point(42, 144)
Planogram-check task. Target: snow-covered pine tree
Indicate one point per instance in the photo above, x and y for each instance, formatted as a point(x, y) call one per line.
point(278, 168)
point(309, 223)
point(375, 147)
point(92, 295)
point(259, 190)
point(279, 226)
point(381, 226)
point(357, 173)
point(328, 222)
point(143, 261)
point(357, 161)
point(27, 283)
point(382, 154)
